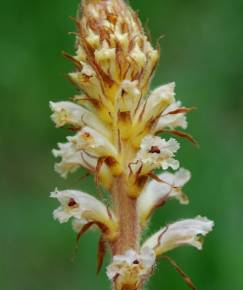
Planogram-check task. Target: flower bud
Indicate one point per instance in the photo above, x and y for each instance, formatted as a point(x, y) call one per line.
point(113, 49)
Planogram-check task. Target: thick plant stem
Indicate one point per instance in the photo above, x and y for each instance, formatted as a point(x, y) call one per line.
point(125, 208)
point(129, 228)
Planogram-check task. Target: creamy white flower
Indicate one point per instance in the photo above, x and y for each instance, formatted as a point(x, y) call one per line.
point(72, 159)
point(130, 96)
point(157, 101)
point(171, 121)
point(176, 180)
point(184, 232)
point(156, 193)
point(132, 267)
point(93, 142)
point(68, 113)
point(156, 152)
point(87, 81)
point(83, 208)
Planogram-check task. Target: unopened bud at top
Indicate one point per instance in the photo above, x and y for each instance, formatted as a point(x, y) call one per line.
point(112, 48)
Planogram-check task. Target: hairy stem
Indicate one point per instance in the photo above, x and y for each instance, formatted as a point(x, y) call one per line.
point(125, 208)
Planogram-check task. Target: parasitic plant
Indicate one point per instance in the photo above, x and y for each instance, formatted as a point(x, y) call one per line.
point(118, 130)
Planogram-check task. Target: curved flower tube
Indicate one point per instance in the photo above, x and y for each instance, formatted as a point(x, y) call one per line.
point(84, 208)
point(184, 232)
point(157, 192)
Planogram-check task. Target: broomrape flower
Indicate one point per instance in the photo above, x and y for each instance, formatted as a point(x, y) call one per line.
point(132, 267)
point(118, 127)
point(157, 192)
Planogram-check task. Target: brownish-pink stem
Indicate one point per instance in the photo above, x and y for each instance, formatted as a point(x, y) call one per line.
point(125, 208)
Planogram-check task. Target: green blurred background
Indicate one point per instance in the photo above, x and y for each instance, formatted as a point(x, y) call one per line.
point(203, 52)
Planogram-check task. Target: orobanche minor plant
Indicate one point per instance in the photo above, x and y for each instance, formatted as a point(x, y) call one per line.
point(118, 136)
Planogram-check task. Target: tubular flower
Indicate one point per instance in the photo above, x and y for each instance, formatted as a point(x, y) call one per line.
point(184, 232)
point(84, 209)
point(132, 268)
point(116, 121)
point(157, 192)
point(155, 153)
point(172, 117)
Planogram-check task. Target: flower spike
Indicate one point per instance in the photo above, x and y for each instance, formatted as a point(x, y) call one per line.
point(115, 120)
